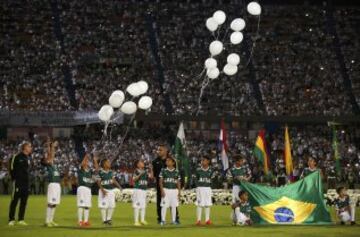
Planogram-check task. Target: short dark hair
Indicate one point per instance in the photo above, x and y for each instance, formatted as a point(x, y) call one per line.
point(238, 157)
point(22, 145)
point(242, 192)
point(206, 157)
point(339, 189)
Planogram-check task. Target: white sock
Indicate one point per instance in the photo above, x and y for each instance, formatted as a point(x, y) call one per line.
point(142, 214)
point(86, 214)
point(109, 213)
point(207, 213)
point(48, 214)
point(198, 213)
point(80, 213)
point(352, 208)
point(163, 213)
point(103, 214)
point(173, 214)
point(237, 214)
point(52, 213)
point(136, 215)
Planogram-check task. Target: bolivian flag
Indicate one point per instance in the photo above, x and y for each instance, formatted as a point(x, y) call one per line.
point(260, 151)
point(301, 202)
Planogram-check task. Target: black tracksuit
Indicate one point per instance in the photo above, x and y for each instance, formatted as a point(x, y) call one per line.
point(159, 164)
point(19, 171)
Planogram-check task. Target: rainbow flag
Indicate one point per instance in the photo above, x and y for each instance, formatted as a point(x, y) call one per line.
point(287, 153)
point(260, 151)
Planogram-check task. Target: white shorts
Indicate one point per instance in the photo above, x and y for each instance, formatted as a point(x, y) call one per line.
point(235, 193)
point(54, 193)
point(171, 198)
point(239, 217)
point(107, 201)
point(139, 198)
point(203, 197)
point(345, 216)
point(83, 195)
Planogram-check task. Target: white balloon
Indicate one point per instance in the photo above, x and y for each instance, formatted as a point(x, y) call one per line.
point(210, 63)
point(233, 59)
point(213, 73)
point(254, 8)
point(236, 37)
point(237, 24)
point(216, 47)
point(219, 17)
point(145, 102)
point(105, 113)
point(128, 107)
point(116, 99)
point(143, 85)
point(211, 24)
point(230, 69)
point(133, 89)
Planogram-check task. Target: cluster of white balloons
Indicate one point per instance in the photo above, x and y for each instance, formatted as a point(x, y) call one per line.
point(117, 98)
point(216, 47)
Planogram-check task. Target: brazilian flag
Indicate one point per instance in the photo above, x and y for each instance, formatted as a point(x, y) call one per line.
point(301, 202)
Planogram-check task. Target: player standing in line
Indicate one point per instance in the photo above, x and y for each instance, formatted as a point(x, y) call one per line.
point(203, 178)
point(106, 198)
point(140, 180)
point(344, 211)
point(54, 188)
point(239, 172)
point(170, 190)
point(85, 182)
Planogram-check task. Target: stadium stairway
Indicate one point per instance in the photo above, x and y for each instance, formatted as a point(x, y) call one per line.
point(70, 88)
point(150, 23)
point(65, 68)
point(330, 24)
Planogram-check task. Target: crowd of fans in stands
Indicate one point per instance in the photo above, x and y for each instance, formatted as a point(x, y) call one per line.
point(315, 142)
point(106, 45)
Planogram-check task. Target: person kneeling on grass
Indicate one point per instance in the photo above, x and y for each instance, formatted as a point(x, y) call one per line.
point(54, 188)
point(170, 190)
point(83, 194)
point(204, 175)
point(344, 210)
point(242, 210)
point(140, 179)
point(106, 198)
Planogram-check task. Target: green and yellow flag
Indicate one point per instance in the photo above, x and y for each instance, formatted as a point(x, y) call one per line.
point(287, 153)
point(301, 202)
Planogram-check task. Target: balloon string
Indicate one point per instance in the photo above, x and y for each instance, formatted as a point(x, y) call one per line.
point(204, 84)
point(124, 137)
point(254, 43)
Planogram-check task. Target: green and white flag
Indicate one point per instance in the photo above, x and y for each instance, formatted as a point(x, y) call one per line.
point(180, 153)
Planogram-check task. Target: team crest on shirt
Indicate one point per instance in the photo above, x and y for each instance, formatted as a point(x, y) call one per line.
point(103, 203)
point(138, 204)
point(53, 199)
point(81, 201)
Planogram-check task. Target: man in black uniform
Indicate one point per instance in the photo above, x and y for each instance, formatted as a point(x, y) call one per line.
point(19, 171)
point(157, 165)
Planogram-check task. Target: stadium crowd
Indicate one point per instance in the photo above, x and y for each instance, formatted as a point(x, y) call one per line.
point(314, 141)
point(109, 47)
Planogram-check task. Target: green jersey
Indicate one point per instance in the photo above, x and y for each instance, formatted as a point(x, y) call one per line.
point(170, 178)
point(245, 207)
point(85, 178)
point(308, 171)
point(106, 179)
point(342, 203)
point(203, 177)
point(236, 172)
point(142, 182)
point(53, 173)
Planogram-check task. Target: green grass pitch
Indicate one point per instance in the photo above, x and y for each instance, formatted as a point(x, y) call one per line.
point(66, 217)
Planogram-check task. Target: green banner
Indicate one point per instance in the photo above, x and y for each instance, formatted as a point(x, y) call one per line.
point(301, 202)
